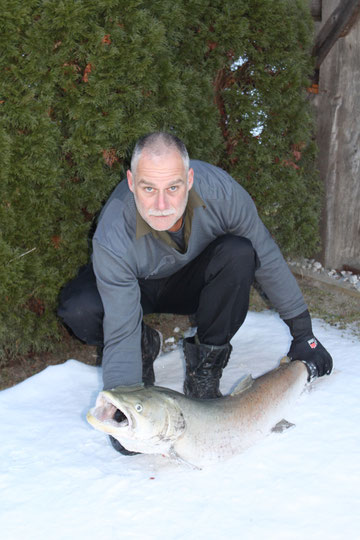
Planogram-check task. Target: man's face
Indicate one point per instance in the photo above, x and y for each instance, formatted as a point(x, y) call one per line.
point(161, 187)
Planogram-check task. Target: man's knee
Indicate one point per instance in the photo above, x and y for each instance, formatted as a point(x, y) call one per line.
point(236, 251)
point(81, 309)
point(77, 307)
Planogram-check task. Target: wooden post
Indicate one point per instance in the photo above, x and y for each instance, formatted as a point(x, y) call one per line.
point(338, 138)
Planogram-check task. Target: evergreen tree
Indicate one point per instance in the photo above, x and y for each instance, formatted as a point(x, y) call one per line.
point(82, 80)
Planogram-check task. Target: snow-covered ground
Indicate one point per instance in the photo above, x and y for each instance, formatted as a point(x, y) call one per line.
point(59, 478)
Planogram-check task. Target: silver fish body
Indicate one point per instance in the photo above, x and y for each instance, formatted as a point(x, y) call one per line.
point(158, 420)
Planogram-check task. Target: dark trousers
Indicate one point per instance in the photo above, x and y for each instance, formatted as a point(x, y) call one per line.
point(215, 287)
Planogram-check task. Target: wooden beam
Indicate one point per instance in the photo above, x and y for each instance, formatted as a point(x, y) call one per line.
point(338, 25)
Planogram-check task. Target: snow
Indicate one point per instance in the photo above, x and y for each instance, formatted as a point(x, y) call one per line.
point(61, 479)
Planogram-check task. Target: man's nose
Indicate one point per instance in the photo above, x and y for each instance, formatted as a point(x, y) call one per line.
point(162, 203)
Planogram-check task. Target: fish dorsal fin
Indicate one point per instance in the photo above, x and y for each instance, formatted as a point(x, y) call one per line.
point(243, 385)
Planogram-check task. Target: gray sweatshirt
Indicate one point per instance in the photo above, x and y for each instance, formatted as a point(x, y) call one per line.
point(125, 248)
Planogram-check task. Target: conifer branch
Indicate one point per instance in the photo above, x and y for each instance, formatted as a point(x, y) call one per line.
point(22, 255)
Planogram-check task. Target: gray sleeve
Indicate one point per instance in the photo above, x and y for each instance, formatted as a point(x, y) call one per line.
point(273, 275)
point(120, 294)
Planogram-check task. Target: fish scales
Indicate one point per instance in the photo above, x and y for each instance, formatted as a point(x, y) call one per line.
point(217, 431)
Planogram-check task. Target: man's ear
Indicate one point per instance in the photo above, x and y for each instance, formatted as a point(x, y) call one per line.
point(130, 180)
point(190, 179)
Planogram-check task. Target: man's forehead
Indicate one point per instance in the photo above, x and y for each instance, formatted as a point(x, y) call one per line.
point(167, 167)
point(153, 181)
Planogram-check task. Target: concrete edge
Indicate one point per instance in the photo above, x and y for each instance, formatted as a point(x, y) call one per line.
point(327, 281)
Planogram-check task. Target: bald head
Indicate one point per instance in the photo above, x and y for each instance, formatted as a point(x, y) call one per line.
point(158, 144)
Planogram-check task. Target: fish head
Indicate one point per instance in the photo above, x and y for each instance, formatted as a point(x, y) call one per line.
point(146, 420)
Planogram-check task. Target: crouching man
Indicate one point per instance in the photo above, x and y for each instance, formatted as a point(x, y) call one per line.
point(180, 237)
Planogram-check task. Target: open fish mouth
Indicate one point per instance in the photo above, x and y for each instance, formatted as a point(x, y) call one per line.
point(109, 414)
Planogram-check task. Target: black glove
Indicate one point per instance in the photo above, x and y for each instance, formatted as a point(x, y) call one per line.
point(307, 348)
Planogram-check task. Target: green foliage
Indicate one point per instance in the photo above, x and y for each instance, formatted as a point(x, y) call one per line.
point(265, 95)
point(82, 80)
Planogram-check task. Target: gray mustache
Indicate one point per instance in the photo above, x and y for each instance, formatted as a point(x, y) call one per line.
point(168, 212)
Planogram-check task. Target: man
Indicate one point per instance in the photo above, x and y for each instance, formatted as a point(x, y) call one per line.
point(184, 238)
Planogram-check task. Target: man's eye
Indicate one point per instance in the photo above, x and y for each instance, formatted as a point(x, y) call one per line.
point(149, 189)
point(173, 188)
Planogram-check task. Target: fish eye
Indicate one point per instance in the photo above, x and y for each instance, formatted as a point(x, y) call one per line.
point(138, 407)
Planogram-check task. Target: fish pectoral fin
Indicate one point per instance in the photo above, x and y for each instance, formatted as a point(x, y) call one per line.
point(243, 385)
point(282, 426)
point(174, 456)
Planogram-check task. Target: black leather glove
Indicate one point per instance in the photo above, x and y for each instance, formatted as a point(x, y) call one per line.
point(307, 348)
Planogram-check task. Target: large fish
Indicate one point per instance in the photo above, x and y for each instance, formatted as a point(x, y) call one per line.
point(158, 420)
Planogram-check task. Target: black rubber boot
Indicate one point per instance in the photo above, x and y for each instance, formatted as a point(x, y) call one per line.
point(204, 367)
point(99, 355)
point(151, 343)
